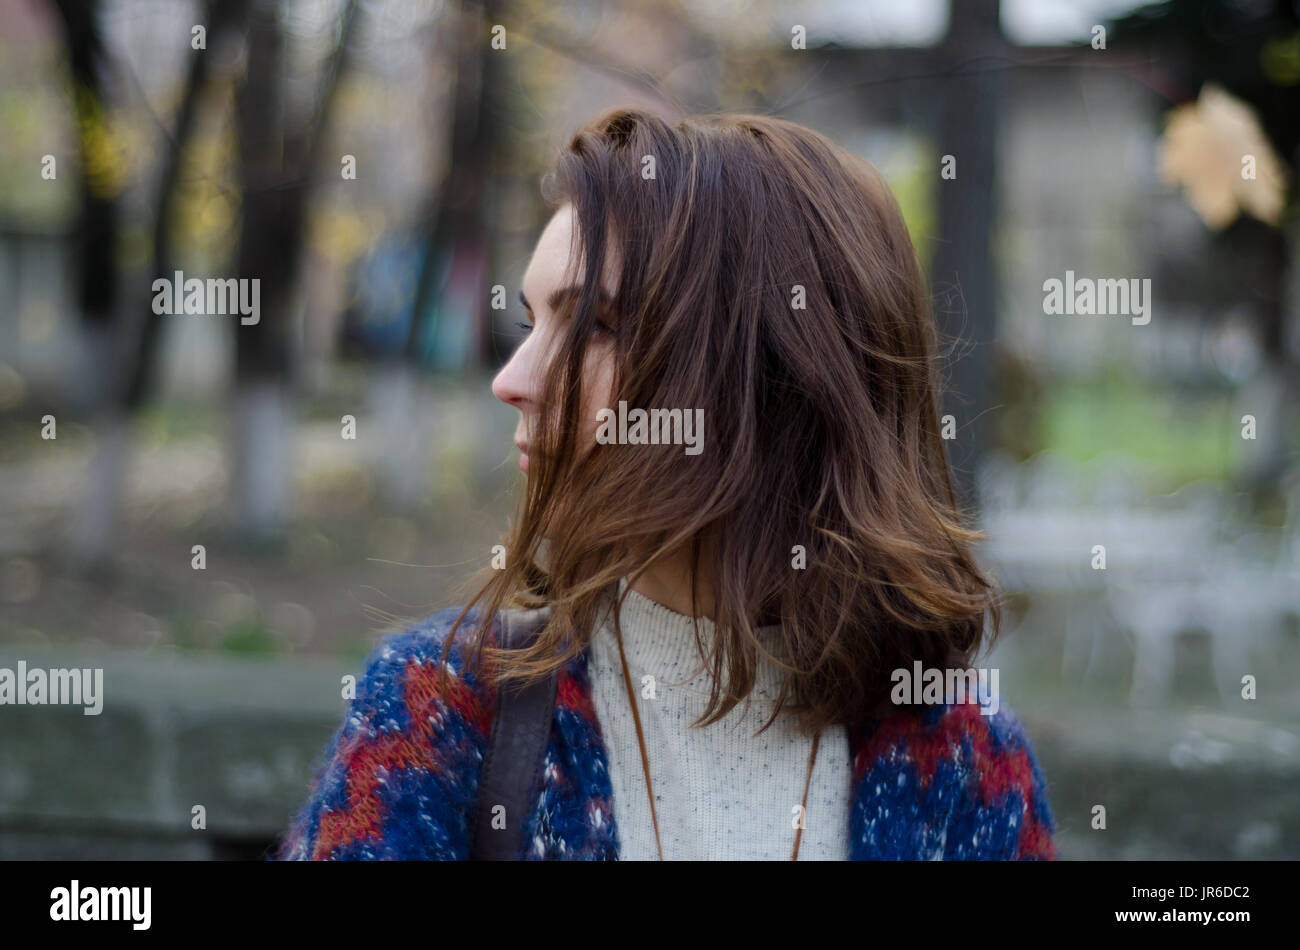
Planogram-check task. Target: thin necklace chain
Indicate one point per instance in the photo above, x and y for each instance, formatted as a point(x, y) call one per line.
point(645, 760)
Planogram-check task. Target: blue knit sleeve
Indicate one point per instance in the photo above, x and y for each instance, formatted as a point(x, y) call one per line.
point(1001, 812)
point(399, 779)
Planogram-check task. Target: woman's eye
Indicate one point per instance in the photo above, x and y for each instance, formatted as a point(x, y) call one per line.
point(526, 327)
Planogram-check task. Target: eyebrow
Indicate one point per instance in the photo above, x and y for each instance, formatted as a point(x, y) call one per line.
point(557, 297)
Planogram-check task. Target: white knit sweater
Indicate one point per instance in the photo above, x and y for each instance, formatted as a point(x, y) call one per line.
point(721, 793)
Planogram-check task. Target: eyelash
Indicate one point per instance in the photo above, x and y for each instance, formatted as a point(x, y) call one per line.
point(600, 328)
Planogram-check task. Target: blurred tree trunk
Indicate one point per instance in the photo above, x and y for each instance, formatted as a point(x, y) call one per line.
point(118, 364)
point(96, 518)
point(277, 158)
point(222, 17)
point(449, 306)
point(98, 223)
point(267, 248)
point(970, 113)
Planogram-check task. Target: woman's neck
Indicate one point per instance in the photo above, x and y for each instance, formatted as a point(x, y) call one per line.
point(668, 583)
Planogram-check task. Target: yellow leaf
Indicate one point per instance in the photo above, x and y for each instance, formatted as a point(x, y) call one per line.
point(1210, 148)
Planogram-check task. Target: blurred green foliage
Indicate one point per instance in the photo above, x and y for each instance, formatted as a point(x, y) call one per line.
point(248, 638)
point(1176, 437)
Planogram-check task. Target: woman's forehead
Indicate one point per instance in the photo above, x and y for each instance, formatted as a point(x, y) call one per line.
point(558, 261)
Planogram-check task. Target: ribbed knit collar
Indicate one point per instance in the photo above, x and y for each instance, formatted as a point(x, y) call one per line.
point(661, 642)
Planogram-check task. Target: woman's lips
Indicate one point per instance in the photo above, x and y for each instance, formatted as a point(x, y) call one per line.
point(523, 456)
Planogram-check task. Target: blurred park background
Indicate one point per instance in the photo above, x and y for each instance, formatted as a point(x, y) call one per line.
point(376, 164)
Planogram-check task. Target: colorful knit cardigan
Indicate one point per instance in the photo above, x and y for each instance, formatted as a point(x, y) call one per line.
point(400, 776)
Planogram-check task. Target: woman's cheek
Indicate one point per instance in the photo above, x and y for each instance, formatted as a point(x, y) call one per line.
point(598, 371)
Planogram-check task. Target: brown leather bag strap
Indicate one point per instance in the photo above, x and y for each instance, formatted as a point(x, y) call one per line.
point(512, 763)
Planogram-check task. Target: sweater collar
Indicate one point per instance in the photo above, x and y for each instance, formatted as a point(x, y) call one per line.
point(661, 642)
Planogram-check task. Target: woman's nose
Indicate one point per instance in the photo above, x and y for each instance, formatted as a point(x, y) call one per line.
point(513, 384)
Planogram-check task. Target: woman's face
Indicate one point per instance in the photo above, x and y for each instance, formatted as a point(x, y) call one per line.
point(520, 381)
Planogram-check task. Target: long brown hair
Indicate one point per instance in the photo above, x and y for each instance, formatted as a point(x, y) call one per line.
point(821, 421)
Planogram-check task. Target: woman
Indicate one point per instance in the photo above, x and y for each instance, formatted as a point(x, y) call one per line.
point(736, 490)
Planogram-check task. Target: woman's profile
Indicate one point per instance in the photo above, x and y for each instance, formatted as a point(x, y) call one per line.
point(739, 545)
